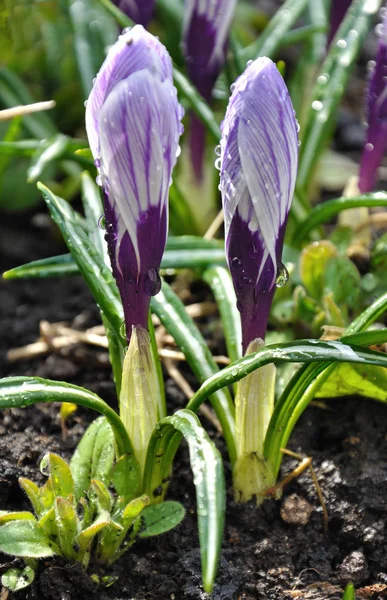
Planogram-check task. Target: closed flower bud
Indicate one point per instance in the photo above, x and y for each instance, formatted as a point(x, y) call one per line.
point(205, 36)
point(133, 124)
point(376, 140)
point(140, 11)
point(259, 155)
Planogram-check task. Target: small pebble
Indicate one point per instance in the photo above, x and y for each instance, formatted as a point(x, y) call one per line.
point(296, 510)
point(353, 568)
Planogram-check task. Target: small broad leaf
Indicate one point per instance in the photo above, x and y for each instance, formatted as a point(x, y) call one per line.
point(33, 493)
point(127, 477)
point(343, 279)
point(103, 497)
point(350, 379)
point(47, 497)
point(17, 579)
point(93, 457)
point(25, 538)
point(159, 518)
point(85, 538)
point(61, 477)
point(313, 260)
point(133, 509)
point(48, 524)
point(66, 520)
point(5, 516)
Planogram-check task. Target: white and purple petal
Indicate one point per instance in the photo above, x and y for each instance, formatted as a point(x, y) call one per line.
point(135, 49)
point(259, 155)
point(376, 139)
point(140, 11)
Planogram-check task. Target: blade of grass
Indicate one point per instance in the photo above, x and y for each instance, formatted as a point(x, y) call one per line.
point(17, 392)
point(172, 314)
point(329, 209)
point(331, 85)
point(206, 465)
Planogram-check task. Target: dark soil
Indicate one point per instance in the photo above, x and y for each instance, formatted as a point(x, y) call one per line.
point(276, 552)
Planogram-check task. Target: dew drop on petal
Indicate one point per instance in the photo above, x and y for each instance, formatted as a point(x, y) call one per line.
point(123, 330)
point(369, 147)
point(249, 62)
point(102, 222)
point(282, 275)
point(236, 263)
point(218, 163)
point(218, 150)
point(152, 282)
point(98, 180)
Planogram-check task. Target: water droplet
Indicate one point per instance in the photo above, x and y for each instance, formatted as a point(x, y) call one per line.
point(97, 162)
point(322, 79)
point(178, 152)
point(152, 282)
point(317, 105)
point(218, 150)
point(123, 330)
point(218, 163)
point(44, 466)
point(85, 103)
point(369, 147)
point(98, 180)
point(249, 62)
point(341, 44)
point(236, 263)
point(379, 29)
point(282, 275)
point(232, 87)
point(102, 222)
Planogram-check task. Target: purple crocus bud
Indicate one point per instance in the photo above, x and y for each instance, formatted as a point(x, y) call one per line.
point(337, 14)
point(259, 155)
point(133, 125)
point(376, 140)
point(205, 35)
point(140, 11)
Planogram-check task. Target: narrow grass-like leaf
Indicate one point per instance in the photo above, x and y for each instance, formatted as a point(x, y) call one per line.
point(270, 40)
point(331, 84)
point(220, 282)
point(349, 593)
point(301, 351)
point(16, 392)
point(206, 465)
point(13, 92)
point(55, 266)
point(327, 210)
point(171, 312)
point(53, 149)
point(96, 274)
point(94, 220)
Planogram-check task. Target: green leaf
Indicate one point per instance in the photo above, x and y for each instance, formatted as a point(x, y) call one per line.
point(86, 536)
point(93, 457)
point(271, 39)
point(52, 149)
point(220, 282)
point(126, 477)
point(159, 518)
point(60, 475)
point(206, 465)
point(351, 380)
point(6, 516)
point(171, 312)
point(25, 538)
point(343, 279)
point(54, 266)
point(104, 499)
point(133, 509)
point(321, 213)
point(313, 261)
point(96, 274)
point(18, 579)
point(24, 391)
point(33, 493)
point(331, 85)
point(66, 520)
point(302, 351)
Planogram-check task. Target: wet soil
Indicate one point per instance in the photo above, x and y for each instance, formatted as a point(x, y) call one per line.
point(276, 552)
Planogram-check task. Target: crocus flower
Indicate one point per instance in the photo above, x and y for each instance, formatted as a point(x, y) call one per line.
point(133, 126)
point(140, 11)
point(337, 14)
point(205, 36)
point(259, 154)
point(376, 140)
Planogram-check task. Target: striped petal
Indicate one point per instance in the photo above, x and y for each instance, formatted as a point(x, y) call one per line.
point(376, 139)
point(136, 49)
point(259, 154)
